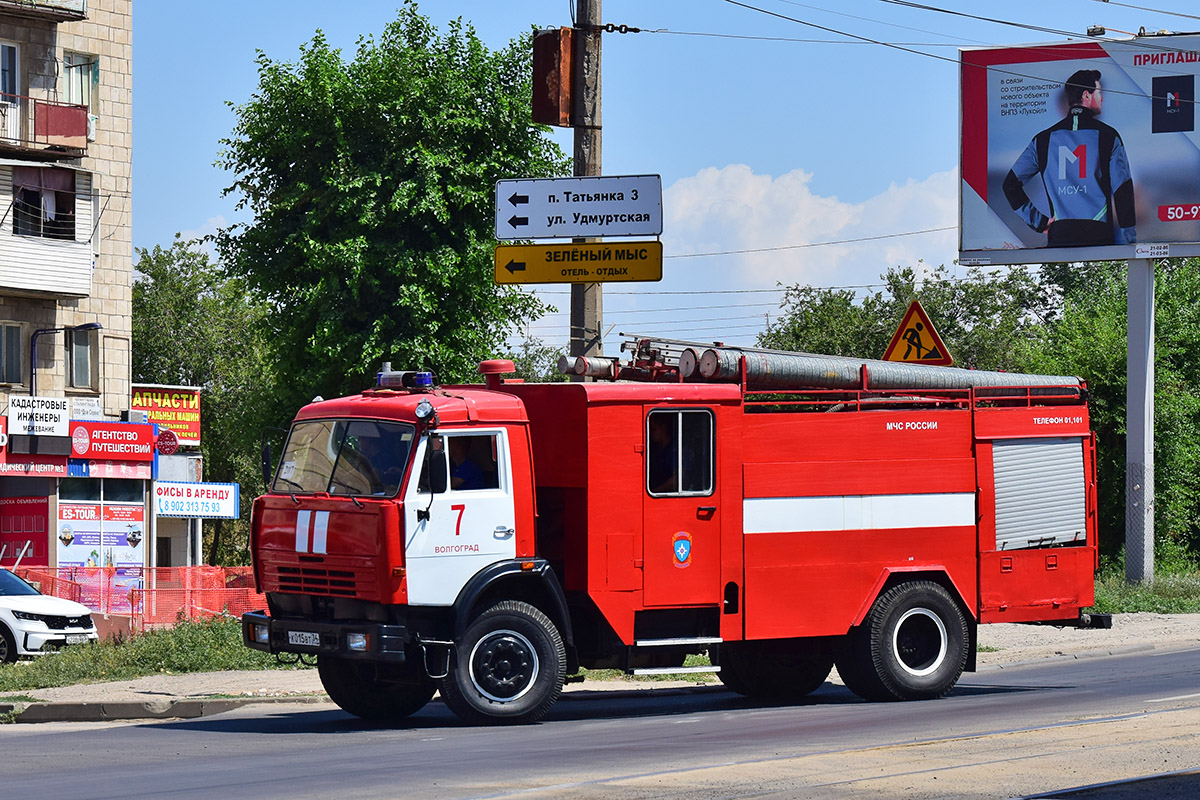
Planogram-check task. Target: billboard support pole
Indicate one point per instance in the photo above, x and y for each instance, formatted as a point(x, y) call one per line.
point(1139, 423)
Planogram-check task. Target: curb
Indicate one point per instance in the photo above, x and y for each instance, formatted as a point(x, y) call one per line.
point(130, 710)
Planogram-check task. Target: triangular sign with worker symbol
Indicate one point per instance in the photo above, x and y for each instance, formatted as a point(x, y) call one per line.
point(916, 342)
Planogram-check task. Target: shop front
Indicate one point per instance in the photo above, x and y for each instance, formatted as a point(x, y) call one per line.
point(27, 488)
point(84, 509)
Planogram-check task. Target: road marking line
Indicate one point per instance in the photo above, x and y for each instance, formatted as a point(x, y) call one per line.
point(1176, 697)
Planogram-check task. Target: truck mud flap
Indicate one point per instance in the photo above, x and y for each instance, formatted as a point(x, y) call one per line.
point(440, 667)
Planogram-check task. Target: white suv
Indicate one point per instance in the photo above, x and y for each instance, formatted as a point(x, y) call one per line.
point(32, 623)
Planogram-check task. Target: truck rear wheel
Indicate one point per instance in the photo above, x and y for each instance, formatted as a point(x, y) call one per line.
point(508, 668)
point(912, 645)
point(370, 691)
point(773, 670)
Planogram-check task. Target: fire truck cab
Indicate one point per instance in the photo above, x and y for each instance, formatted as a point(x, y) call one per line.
point(488, 541)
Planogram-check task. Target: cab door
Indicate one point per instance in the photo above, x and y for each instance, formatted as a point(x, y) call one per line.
point(682, 519)
point(452, 535)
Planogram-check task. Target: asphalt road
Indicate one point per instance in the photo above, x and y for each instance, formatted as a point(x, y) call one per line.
point(1020, 731)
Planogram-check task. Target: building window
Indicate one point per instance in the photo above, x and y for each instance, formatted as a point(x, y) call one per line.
point(10, 102)
point(44, 202)
point(82, 77)
point(12, 345)
point(679, 452)
point(81, 359)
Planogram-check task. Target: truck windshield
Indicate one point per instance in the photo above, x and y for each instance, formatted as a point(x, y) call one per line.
point(345, 457)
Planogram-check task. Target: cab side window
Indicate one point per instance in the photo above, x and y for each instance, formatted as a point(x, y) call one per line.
point(679, 452)
point(473, 462)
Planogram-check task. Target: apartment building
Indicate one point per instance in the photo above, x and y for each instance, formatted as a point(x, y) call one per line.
point(66, 270)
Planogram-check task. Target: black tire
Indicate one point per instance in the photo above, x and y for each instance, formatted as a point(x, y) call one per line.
point(373, 691)
point(508, 668)
point(8, 646)
point(774, 670)
point(913, 645)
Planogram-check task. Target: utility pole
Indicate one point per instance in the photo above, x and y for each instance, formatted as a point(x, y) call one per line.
point(587, 299)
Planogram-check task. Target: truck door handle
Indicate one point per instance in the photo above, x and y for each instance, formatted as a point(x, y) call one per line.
point(706, 511)
point(502, 532)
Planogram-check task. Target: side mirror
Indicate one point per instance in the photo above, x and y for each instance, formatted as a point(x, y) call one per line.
point(438, 471)
point(267, 464)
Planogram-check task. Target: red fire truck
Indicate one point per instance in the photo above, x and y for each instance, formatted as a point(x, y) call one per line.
point(781, 513)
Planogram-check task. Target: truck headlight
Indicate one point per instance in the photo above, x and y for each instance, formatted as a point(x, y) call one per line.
point(261, 634)
point(357, 642)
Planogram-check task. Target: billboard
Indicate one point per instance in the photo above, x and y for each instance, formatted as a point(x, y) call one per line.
point(176, 408)
point(1080, 151)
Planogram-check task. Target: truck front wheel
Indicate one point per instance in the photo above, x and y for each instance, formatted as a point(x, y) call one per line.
point(912, 645)
point(371, 691)
point(509, 666)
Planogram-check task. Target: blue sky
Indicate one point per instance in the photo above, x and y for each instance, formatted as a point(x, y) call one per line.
point(762, 142)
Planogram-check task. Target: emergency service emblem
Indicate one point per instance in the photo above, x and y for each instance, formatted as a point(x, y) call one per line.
point(683, 549)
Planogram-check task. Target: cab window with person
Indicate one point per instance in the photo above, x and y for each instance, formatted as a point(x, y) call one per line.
point(679, 452)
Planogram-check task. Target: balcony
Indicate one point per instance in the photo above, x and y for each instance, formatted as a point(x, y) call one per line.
point(52, 10)
point(42, 128)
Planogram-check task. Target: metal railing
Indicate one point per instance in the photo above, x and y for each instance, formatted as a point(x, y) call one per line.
point(35, 123)
point(55, 9)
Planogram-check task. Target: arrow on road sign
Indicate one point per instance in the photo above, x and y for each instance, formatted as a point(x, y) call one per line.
point(513, 266)
point(518, 221)
point(517, 199)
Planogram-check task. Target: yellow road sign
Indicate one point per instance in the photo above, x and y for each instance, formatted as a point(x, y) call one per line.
point(592, 262)
point(916, 342)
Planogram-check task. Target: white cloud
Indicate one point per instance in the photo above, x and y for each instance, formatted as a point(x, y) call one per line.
point(721, 210)
point(732, 208)
point(208, 228)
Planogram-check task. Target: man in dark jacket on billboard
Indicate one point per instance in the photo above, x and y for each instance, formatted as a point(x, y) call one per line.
point(1085, 170)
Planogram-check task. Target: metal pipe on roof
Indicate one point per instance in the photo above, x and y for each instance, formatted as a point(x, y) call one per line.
point(766, 370)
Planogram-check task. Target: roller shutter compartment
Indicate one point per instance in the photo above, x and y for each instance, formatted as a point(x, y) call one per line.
point(1040, 492)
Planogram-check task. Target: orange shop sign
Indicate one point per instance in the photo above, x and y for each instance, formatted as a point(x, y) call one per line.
point(176, 408)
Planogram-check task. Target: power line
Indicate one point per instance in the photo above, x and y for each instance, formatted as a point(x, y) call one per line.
point(955, 61)
point(669, 310)
point(660, 321)
point(1038, 28)
point(812, 244)
point(789, 39)
point(1144, 8)
point(879, 21)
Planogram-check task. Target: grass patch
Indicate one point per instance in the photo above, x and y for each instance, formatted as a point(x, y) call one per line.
point(194, 646)
point(689, 661)
point(1168, 593)
point(19, 698)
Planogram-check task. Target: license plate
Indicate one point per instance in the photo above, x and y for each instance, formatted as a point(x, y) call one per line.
point(304, 638)
point(76, 638)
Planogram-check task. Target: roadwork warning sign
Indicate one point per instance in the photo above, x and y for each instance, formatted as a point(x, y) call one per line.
point(916, 342)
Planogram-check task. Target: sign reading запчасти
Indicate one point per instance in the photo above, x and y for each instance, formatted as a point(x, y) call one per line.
point(38, 416)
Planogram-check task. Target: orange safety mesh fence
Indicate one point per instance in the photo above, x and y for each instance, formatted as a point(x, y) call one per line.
point(49, 583)
point(154, 597)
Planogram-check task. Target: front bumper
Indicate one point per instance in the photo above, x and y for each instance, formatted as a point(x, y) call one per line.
point(33, 643)
point(377, 642)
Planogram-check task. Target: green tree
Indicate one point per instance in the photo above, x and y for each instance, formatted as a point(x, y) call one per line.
point(536, 362)
point(1089, 340)
point(988, 321)
point(194, 326)
point(371, 187)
